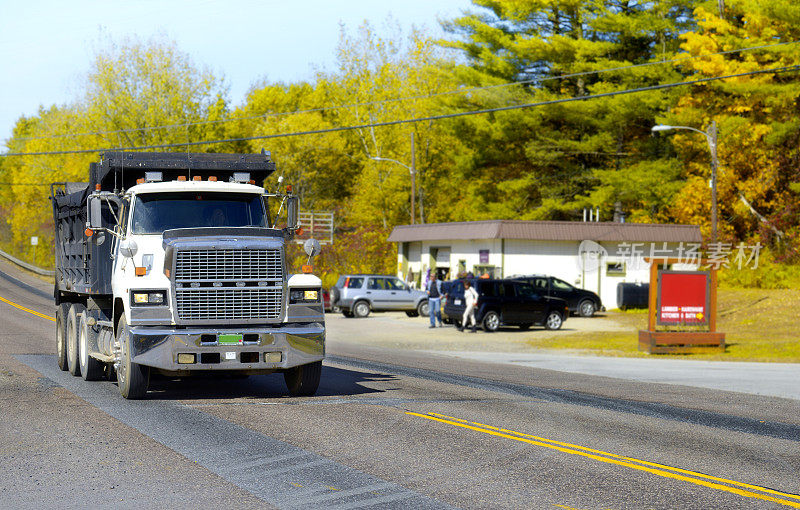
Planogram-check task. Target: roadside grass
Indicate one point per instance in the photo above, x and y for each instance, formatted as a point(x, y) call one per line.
point(759, 325)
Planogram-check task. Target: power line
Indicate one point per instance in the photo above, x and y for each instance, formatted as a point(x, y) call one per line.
point(401, 99)
point(412, 120)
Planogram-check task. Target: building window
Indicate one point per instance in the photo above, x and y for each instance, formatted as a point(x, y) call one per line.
point(615, 268)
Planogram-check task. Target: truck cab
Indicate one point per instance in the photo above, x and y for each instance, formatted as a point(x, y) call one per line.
point(185, 271)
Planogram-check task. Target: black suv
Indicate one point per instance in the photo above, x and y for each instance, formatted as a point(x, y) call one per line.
point(582, 302)
point(506, 302)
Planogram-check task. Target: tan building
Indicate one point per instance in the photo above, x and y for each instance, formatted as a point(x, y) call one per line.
point(596, 256)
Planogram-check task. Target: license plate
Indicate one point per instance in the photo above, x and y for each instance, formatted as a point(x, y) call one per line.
point(458, 301)
point(231, 339)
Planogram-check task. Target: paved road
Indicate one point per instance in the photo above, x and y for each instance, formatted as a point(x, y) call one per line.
point(769, 379)
point(388, 429)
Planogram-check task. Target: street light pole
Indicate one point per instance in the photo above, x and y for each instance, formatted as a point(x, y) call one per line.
point(413, 177)
point(412, 170)
point(711, 138)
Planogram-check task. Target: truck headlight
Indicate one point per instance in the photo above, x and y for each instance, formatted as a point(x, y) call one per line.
point(304, 296)
point(149, 297)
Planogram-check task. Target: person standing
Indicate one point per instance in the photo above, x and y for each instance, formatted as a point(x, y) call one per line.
point(435, 300)
point(471, 300)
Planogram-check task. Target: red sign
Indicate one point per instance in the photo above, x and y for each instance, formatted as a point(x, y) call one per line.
point(683, 297)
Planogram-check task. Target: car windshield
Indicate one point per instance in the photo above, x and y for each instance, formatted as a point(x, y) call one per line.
point(153, 213)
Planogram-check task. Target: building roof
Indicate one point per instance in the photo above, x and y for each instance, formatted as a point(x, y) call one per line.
point(547, 231)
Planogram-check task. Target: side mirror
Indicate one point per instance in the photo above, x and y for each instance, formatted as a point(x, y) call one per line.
point(312, 247)
point(94, 212)
point(128, 248)
point(292, 212)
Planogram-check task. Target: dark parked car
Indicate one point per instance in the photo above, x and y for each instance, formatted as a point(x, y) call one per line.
point(582, 302)
point(327, 302)
point(357, 295)
point(506, 303)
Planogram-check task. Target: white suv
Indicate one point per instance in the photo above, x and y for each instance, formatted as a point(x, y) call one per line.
point(358, 295)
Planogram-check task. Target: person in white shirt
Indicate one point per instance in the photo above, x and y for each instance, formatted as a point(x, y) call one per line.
point(471, 300)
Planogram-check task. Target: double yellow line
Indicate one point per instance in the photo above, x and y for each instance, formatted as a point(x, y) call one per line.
point(34, 312)
point(713, 482)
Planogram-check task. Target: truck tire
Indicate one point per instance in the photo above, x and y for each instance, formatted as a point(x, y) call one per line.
point(91, 369)
point(132, 378)
point(61, 335)
point(303, 381)
point(73, 364)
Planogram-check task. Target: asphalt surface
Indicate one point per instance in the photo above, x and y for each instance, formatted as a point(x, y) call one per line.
point(389, 428)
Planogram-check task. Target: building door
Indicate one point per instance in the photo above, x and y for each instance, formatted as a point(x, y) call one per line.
point(592, 272)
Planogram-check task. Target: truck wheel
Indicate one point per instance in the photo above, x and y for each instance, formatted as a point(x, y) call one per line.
point(91, 369)
point(73, 364)
point(303, 381)
point(132, 378)
point(61, 335)
point(361, 309)
point(423, 309)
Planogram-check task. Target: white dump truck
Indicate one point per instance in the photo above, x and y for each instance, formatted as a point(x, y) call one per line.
point(176, 263)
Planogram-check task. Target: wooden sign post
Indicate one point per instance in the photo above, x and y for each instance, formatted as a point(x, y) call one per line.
point(682, 314)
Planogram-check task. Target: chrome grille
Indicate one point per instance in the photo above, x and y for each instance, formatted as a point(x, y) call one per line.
point(229, 285)
point(229, 304)
point(218, 265)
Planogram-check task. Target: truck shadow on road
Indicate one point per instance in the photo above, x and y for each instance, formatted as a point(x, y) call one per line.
point(335, 382)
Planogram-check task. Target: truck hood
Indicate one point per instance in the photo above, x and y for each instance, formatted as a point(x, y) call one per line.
point(242, 238)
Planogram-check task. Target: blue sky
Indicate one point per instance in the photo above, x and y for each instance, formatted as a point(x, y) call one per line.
point(48, 45)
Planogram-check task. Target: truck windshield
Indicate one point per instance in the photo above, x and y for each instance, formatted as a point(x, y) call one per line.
point(153, 213)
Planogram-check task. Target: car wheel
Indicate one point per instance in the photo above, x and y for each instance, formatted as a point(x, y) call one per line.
point(423, 309)
point(524, 327)
point(491, 322)
point(361, 309)
point(413, 313)
point(586, 308)
point(554, 321)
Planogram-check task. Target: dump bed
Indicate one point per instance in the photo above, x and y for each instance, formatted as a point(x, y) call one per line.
point(83, 265)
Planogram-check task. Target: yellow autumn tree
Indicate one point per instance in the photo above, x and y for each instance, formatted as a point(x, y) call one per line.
point(759, 131)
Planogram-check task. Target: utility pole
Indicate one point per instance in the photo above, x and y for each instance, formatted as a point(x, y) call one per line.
point(711, 134)
point(413, 177)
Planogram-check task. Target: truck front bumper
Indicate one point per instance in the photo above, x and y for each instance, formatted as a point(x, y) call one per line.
point(263, 348)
